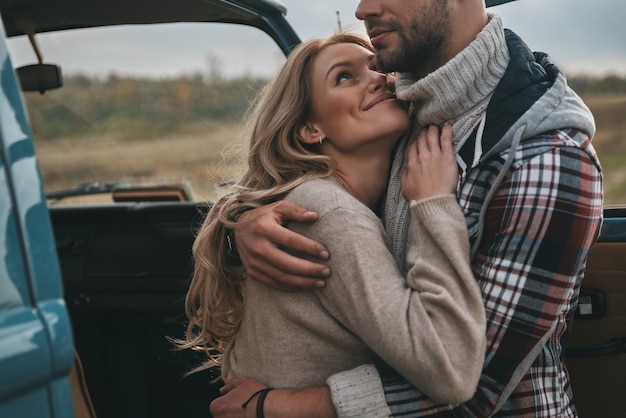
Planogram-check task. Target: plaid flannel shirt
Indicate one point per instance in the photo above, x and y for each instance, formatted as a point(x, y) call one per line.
point(537, 231)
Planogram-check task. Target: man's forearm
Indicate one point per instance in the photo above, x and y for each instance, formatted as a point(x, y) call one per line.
point(313, 402)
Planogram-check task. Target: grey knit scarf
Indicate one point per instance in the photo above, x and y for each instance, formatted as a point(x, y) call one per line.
point(458, 93)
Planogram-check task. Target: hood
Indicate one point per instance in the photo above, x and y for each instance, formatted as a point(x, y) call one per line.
point(532, 98)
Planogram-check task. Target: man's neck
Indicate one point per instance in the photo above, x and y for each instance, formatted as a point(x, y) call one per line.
point(470, 18)
point(459, 91)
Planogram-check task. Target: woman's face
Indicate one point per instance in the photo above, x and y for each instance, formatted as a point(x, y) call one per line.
point(352, 105)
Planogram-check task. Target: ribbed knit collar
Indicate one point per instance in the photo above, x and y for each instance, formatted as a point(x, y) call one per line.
point(459, 91)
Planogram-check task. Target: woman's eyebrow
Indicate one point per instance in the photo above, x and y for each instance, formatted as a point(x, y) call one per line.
point(337, 64)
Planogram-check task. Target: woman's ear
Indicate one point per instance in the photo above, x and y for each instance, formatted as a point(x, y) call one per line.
point(310, 133)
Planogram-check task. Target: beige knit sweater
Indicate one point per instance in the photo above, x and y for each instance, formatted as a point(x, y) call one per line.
point(429, 326)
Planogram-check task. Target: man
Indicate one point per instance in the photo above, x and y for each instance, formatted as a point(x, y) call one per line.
point(531, 192)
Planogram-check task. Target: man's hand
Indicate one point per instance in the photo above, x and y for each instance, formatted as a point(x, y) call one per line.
point(234, 394)
point(260, 235)
point(313, 402)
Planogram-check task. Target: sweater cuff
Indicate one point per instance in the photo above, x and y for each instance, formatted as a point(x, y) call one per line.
point(358, 393)
point(435, 205)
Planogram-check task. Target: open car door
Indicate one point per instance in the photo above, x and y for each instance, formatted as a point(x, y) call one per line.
point(36, 350)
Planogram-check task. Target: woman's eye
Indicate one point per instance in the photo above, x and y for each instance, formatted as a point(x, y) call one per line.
point(341, 77)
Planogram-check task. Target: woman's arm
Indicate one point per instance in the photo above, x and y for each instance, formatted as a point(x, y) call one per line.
point(438, 322)
point(429, 327)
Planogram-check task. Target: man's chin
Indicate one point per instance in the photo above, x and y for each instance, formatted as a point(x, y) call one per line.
point(380, 58)
point(383, 62)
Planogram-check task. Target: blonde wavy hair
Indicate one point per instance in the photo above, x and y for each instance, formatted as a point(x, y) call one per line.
point(278, 161)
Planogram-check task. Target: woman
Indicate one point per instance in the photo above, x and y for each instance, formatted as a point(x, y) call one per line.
point(322, 135)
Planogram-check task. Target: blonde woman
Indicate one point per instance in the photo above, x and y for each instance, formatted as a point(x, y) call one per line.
point(322, 134)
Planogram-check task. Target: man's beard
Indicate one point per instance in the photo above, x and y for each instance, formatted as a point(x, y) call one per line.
point(422, 45)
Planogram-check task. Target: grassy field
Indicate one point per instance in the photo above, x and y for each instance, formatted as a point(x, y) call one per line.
point(213, 155)
point(204, 161)
point(610, 113)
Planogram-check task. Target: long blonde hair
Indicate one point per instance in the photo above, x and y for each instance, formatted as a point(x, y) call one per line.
point(277, 162)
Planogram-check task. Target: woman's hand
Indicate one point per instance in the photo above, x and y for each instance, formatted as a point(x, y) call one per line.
point(431, 168)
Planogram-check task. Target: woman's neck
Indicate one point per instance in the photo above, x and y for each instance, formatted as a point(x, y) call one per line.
point(365, 178)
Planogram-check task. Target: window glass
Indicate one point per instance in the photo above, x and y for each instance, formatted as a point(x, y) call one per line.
point(154, 106)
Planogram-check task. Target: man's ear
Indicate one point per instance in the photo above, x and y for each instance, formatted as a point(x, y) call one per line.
point(310, 133)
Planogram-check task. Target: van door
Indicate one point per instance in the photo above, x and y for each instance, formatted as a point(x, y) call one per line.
point(36, 349)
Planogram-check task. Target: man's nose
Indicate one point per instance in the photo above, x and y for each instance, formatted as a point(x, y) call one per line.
point(367, 8)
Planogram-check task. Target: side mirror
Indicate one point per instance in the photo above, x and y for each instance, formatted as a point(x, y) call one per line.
point(40, 77)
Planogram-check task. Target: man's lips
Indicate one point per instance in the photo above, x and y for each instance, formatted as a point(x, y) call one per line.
point(376, 35)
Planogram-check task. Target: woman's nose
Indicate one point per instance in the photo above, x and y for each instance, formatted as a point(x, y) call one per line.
point(378, 81)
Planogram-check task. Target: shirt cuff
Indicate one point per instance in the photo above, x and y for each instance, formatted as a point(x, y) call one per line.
point(358, 393)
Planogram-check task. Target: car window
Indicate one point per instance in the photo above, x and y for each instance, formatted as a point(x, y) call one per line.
point(133, 115)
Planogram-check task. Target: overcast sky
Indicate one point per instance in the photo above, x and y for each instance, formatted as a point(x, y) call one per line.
point(582, 36)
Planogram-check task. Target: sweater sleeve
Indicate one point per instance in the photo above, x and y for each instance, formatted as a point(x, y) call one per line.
point(430, 327)
point(359, 393)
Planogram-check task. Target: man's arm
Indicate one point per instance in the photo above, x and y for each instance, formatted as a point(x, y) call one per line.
point(261, 235)
point(313, 402)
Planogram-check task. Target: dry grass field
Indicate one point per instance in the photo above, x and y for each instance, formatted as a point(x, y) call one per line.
point(203, 161)
point(213, 155)
point(610, 143)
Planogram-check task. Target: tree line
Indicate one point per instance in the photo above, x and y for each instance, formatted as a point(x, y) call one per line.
point(144, 108)
point(138, 107)
point(610, 84)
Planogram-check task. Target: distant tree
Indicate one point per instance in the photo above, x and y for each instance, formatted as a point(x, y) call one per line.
point(609, 84)
point(132, 107)
point(136, 108)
